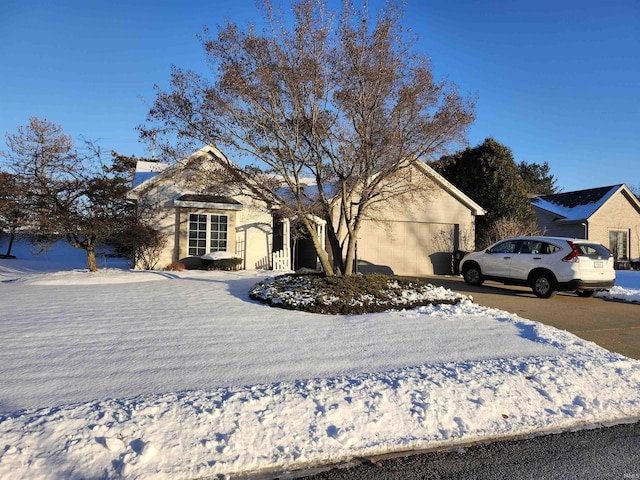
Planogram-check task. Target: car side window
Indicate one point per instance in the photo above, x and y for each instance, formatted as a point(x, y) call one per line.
point(548, 248)
point(504, 247)
point(529, 246)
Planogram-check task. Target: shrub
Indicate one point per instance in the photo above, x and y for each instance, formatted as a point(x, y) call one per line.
point(175, 266)
point(506, 227)
point(143, 244)
point(352, 294)
point(222, 263)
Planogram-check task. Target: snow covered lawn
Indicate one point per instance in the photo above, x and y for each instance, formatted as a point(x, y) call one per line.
point(180, 375)
point(627, 288)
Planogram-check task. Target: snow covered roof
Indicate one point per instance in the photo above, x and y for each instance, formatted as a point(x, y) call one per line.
point(150, 173)
point(147, 176)
point(146, 170)
point(578, 205)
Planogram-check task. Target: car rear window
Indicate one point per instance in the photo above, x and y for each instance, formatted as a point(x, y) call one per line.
point(593, 250)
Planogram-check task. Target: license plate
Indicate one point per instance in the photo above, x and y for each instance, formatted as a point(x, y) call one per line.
point(598, 264)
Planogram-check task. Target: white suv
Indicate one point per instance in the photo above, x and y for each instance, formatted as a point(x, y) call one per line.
point(546, 264)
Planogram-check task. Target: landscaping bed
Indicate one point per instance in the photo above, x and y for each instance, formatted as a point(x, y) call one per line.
point(354, 294)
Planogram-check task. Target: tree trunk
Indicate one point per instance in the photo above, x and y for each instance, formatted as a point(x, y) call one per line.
point(351, 254)
point(353, 228)
point(322, 254)
point(12, 236)
point(91, 260)
point(89, 246)
point(336, 249)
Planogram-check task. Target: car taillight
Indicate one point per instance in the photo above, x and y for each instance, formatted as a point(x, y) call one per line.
point(574, 256)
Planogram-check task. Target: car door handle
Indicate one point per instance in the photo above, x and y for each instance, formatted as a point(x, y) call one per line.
point(537, 258)
point(507, 258)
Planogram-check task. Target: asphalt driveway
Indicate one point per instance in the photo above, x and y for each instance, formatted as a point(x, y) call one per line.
point(611, 324)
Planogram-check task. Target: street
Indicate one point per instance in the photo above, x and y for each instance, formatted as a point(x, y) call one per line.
point(601, 454)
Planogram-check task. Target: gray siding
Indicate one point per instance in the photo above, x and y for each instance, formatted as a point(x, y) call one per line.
point(551, 225)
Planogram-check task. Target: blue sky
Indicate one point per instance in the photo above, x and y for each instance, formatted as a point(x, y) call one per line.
point(556, 81)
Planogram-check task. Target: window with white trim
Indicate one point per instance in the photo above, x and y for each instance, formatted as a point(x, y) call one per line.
point(208, 232)
point(618, 244)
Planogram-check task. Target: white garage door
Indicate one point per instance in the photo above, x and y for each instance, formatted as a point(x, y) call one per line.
point(408, 248)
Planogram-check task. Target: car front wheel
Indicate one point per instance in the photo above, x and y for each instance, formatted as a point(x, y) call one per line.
point(472, 275)
point(542, 285)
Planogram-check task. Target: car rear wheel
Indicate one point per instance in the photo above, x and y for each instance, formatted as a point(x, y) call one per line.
point(472, 275)
point(585, 293)
point(542, 285)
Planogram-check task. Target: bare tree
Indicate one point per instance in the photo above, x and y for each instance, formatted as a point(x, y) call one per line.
point(143, 244)
point(66, 192)
point(505, 227)
point(337, 97)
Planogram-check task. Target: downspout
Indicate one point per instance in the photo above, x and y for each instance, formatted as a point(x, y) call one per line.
point(585, 224)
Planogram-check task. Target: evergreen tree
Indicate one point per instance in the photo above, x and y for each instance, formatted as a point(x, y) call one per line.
point(537, 177)
point(488, 174)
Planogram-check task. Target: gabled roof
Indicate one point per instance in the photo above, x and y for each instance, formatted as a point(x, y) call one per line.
point(147, 170)
point(152, 173)
point(450, 188)
point(147, 176)
point(311, 189)
point(581, 204)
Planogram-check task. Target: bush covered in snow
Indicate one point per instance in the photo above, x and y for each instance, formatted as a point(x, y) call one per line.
point(318, 293)
point(222, 264)
point(221, 261)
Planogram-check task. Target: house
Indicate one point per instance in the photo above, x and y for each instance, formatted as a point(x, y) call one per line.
point(414, 235)
point(196, 223)
point(608, 215)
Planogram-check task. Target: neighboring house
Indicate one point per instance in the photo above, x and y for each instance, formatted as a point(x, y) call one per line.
point(411, 235)
point(608, 215)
